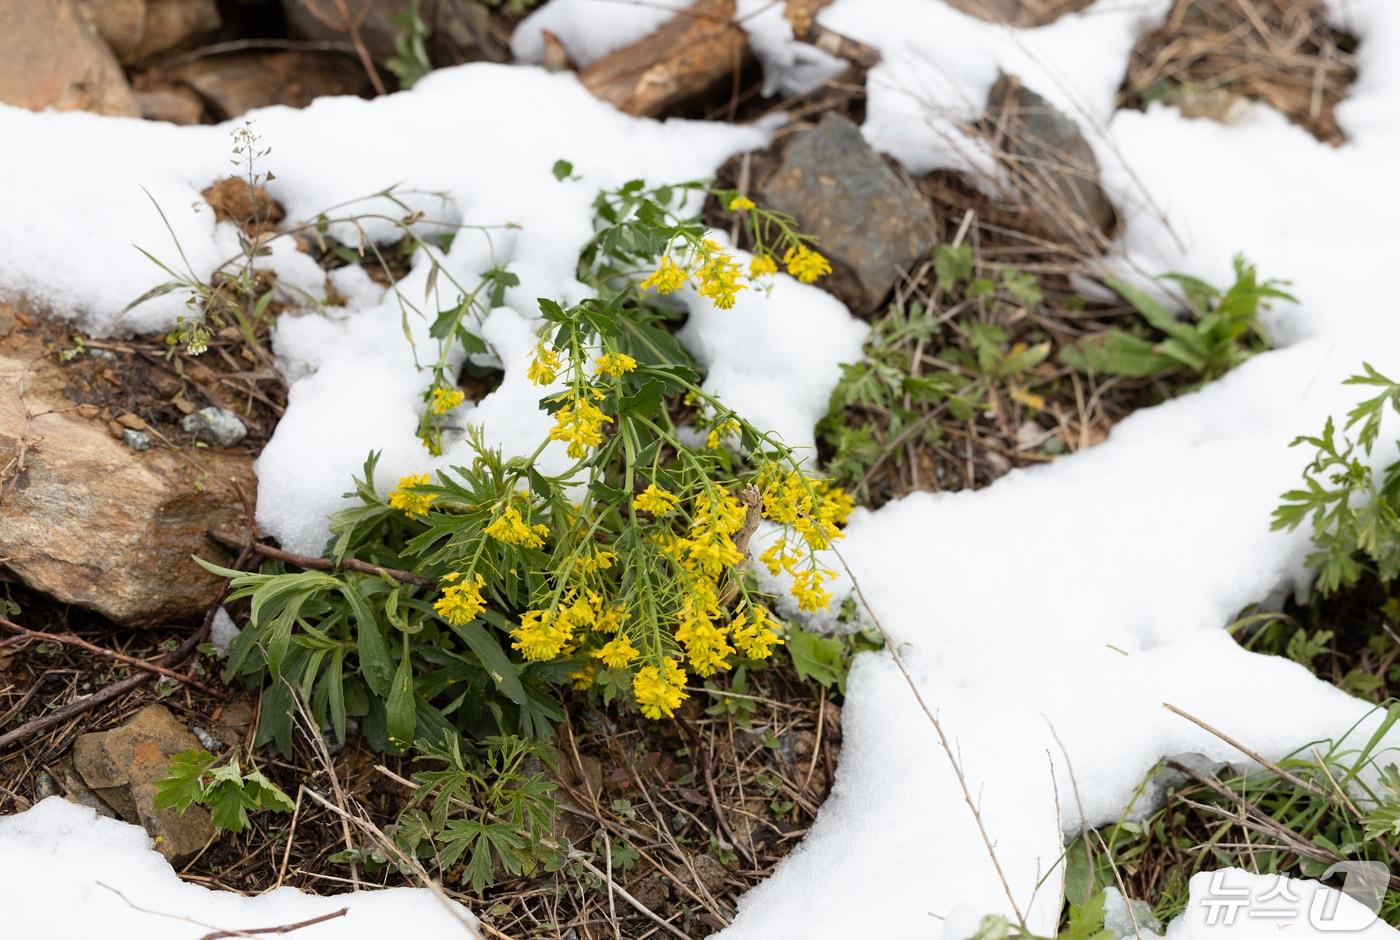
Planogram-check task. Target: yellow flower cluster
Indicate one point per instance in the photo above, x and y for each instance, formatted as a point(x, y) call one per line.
point(805, 264)
point(511, 528)
point(659, 691)
point(407, 499)
point(445, 399)
point(655, 500)
point(580, 423)
point(741, 204)
point(544, 367)
point(718, 275)
point(726, 428)
point(614, 365)
point(460, 602)
point(762, 266)
point(667, 278)
point(814, 511)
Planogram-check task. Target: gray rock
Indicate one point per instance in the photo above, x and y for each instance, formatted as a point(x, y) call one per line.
point(1129, 918)
point(50, 57)
point(136, 440)
point(868, 221)
point(1048, 159)
point(123, 765)
point(215, 425)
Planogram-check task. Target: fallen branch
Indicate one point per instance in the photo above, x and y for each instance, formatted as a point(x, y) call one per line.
point(229, 540)
point(284, 928)
point(69, 639)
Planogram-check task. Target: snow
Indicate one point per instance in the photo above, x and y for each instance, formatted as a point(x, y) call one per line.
point(67, 872)
point(1045, 619)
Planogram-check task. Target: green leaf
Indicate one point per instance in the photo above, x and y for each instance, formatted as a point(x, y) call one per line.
point(399, 708)
point(182, 785)
point(563, 169)
point(498, 666)
point(818, 658)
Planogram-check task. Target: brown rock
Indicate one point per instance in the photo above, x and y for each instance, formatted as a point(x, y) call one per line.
point(457, 32)
point(1051, 163)
point(233, 84)
point(233, 200)
point(174, 104)
point(91, 522)
point(132, 421)
point(139, 29)
point(692, 52)
point(50, 57)
point(867, 220)
point(122, 767)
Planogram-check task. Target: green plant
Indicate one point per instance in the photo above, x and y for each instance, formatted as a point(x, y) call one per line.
point(228, 792)
point(1355, 516)
point(410, 60)
point(1221, 332)
point(622, 574)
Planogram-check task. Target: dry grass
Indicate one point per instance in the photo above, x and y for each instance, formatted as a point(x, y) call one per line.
point(1281, 52)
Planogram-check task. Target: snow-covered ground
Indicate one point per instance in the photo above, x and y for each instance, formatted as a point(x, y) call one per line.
point(1046, 619)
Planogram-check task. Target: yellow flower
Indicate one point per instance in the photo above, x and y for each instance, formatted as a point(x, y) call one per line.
point(444, 400)
point(655, 500)
point(719, 277)
point(705, 643)
point(667, 277)
point(460, 603)
point(710, 548)
point(589, 562)
point(542, 635)
point(807, 588)
point(580, 422)
point(659, 691)
point(726, 428)
point(610, 620)
point(813, 507)
point(584, 675)
point(544, 367)
point(405, 498)
point(617, 653)
point(754, 634)
point(739, 203)
point(805, 264)
point(777, 558)
point(510, 528)
point(761, 266)
point(614, 365)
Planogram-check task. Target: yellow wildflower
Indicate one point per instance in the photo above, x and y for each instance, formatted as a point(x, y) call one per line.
point(444, 399)
point(706, 645)
point(407, 499)
point(667, 277)
point(460, 602)
point(655, 500)
point(544, 367)
point(777, 558)
point(710, 548)
point(593, 561)
point(610, 619)
point(580, 422)
point(719, 277)
point(726, 428)
point(754, 634)
point(761, 266)
point(741, 203)
point(511, 528)
point(542, 635)
point(584, 675)
point(659, 691)
point(614, 365)
point(807, 588)
point(617, 652)
point(805, 264)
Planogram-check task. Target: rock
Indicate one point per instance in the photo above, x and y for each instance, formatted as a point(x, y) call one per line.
point(251, 208)
point(136, 440)
point(457, 32)
point(1050, 162)
point(131, 421)
point(174, 104)
point(216, 425)
point(233, 84)
point(139, 29)
point(866, 219)
point(696, 49)
point(122, 767)
point(1219, 104)
point(50, 57)
point(87, 520)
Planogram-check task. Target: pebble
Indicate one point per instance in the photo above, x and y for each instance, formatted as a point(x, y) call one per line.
point(136, 440)
point(216, 425)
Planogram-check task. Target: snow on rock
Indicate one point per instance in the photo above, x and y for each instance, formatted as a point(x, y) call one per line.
point(67, 872)
point(590, 29)
point(1245, 906)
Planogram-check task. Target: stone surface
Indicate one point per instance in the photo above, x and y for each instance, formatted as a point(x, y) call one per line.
point(233, 84)
point(51, 57)
point(866, 219)
point(457, 30)
point(689, 54)
point(174, 104)
point(139, 29)
point(89, 521)
point(215, 425)
point(122, 767)
point(1050, 162)
point(136, 440)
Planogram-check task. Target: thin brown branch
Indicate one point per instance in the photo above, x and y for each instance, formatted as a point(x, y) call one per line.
point(229, 540)
point(284, 928)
